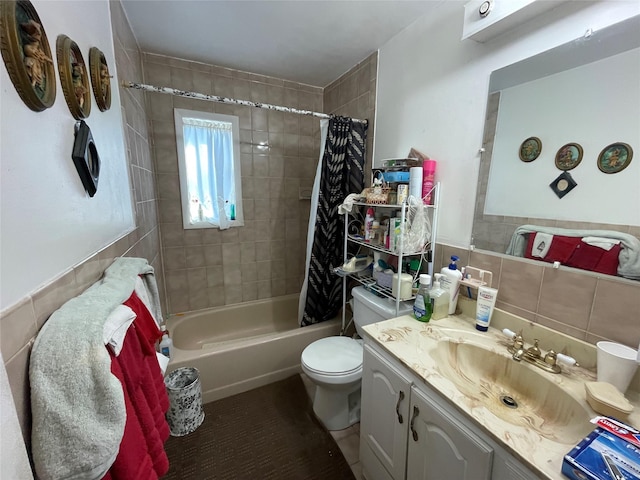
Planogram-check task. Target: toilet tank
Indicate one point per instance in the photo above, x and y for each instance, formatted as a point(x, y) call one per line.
point(369, 308)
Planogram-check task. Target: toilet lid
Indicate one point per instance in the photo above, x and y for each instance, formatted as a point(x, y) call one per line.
point(333, 356)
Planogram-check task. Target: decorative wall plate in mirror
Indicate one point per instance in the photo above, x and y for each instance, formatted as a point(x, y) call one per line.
point(26, 54)
point(615, 158)
point(100, 78)
point(573, 77)
point(73, 77)
point(569, 156)
point(85, 158)
point(530, 149)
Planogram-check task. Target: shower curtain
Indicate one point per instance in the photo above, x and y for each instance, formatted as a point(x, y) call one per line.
point(340, 172)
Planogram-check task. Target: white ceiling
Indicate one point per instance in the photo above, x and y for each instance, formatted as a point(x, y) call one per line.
point(307, 41)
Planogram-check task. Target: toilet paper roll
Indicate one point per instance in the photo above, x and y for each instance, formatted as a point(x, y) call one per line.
point(415, 182)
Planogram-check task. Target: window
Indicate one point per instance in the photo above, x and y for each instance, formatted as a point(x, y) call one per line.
point(209, 164)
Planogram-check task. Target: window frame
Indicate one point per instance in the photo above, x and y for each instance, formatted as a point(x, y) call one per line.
point(179, 114)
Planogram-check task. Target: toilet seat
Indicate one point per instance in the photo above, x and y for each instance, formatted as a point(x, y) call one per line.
point(333, 357)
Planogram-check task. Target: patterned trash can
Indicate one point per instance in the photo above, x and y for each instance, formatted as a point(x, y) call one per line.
point(185, 401)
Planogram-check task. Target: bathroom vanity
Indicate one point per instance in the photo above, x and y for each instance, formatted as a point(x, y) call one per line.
point(438, 402)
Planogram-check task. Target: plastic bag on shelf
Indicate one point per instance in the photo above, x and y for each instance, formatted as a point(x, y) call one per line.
point(418, 227)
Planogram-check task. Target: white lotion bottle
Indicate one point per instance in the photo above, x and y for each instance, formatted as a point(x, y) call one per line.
point(166, 344)
point(484, 307)
point(450, 282)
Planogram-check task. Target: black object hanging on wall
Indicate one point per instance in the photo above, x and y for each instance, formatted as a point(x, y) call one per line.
point(85, 157)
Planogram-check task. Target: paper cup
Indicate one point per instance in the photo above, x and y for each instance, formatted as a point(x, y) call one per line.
point(616, 364)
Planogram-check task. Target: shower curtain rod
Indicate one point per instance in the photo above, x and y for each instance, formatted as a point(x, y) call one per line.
point(233, 101)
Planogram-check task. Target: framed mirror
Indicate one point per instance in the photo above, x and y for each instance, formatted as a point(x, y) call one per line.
point(578, 93)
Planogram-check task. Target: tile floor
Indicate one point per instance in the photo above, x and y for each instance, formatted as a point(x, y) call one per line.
point(348, 439)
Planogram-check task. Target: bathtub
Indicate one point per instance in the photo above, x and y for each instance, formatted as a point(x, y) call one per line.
point(244, 346)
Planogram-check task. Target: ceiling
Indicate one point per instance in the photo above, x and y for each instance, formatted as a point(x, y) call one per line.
point(308, 41)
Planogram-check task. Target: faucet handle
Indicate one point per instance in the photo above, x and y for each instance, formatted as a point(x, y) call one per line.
point(551, 357)
point(509, 333)
point(567, 360)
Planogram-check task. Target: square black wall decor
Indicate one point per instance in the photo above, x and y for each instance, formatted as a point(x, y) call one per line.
point(85, 157)
point(563, 184)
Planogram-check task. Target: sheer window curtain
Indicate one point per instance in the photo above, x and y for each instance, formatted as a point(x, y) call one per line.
point(210, 174)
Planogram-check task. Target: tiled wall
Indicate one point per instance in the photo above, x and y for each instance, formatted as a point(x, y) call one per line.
point(21, 323)
point(264, 258)
point(581, 304)
point(354, 95)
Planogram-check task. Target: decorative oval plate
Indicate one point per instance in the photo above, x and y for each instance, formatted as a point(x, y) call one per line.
point(615, 157)
point(73, 77)
point(569, 156)
point(26, 54)
point(530, 149)
point(100, 78)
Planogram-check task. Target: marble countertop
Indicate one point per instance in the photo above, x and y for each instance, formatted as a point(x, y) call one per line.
point(540, 445)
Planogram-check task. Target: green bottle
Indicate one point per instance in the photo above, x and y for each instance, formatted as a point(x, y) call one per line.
point(422, 307)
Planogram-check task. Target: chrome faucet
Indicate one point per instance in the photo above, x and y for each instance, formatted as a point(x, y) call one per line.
point(533, 354)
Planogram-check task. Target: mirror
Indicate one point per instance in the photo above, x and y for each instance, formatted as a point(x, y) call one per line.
point(580, 97)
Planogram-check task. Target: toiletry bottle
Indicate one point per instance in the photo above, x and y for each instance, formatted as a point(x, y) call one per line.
point(484, 307)
point(368, 224)
point(439, 299)
point(166, 344)
point(428, 178)
point(422, 305)
point(450, 281)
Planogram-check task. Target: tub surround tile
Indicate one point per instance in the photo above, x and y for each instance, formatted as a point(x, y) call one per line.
point(232, 294)
point(18, 325)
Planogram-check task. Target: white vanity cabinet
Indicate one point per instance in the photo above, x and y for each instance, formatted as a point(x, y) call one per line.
point(442, 447)
point(410, 432)
point(384, 418)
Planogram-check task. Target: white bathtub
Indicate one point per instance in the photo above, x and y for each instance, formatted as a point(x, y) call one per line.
point(240, 347)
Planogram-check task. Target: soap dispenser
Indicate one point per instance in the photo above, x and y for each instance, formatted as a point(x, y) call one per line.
point(451, 277)
point(422, 305)
point(439, 299)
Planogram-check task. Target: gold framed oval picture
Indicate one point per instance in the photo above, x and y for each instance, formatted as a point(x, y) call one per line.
point(26, 54)
point(530, 149)
point(73, 77)
point(569, 156)
point(100, 79)
point(615, 157)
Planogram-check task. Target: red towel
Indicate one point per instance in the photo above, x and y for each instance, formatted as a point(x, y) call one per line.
point(573, 252)
point(595, 259)
point(141, 455)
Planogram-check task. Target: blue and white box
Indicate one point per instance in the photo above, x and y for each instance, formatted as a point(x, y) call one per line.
point(610, 452)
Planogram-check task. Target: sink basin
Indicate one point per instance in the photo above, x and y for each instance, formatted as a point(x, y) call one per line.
point(513, 391)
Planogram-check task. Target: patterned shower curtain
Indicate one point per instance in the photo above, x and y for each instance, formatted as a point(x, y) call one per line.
point(342, 173)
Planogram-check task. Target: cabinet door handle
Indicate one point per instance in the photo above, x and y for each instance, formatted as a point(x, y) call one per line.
point(400, 398)
point(416, 412)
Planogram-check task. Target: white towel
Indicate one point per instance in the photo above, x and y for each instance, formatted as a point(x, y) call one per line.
point(602, 242)
point(347, 205)
point(115, 327)
point(77, 404)
point(541, 245)
point(143, 295)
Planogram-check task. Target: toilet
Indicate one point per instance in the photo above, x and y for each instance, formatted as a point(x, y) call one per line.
point(334, 364)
